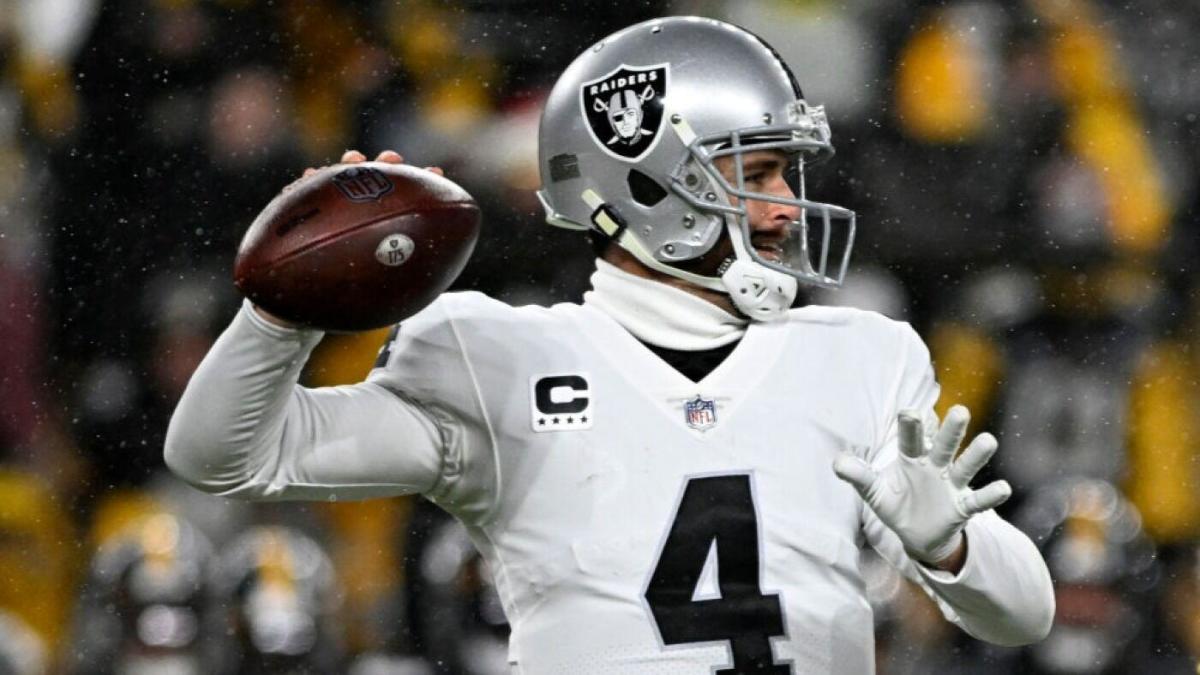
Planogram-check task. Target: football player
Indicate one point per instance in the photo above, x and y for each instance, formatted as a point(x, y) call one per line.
point(650, 474)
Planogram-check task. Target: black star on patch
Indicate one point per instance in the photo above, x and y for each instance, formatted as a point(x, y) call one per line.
point(570, 419)
point(583, 419)
point(556, 420)
point(542, 422)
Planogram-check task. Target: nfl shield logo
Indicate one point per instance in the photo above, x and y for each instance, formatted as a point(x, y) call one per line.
point(362, 184)
point(624, 109)
point(701, 414)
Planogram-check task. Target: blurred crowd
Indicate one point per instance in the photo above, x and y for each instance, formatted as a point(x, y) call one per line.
point(1025, 173)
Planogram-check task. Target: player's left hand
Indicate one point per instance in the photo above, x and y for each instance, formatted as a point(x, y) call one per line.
point(923, 496)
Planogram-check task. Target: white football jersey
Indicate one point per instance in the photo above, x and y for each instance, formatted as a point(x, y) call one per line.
point(638, 522)
point(634, 521)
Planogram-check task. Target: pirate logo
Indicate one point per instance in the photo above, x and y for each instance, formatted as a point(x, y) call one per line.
point(624, 109)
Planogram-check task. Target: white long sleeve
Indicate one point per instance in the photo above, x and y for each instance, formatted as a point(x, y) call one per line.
point(245, 429)
point(1002, 594)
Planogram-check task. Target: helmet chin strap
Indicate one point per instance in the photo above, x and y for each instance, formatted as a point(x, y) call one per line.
point(759, 292)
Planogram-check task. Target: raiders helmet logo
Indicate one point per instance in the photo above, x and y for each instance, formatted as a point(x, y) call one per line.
point(624, 109)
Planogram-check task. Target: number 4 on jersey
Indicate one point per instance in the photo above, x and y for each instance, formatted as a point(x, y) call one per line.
point(717, 509)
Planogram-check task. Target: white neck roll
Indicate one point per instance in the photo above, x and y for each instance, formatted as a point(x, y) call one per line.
point(660, 314)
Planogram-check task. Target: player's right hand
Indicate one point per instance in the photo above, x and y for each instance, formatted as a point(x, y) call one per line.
point(354, 157)
point(348, 157)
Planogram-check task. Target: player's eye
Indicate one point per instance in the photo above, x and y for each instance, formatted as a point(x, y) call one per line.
point(756, 177)
point(792, 173)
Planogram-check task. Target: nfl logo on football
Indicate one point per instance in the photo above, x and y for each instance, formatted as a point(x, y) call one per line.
point(701, 414)
point(362, 184)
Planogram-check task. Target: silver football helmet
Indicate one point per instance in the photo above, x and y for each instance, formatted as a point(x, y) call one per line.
point(627, 145)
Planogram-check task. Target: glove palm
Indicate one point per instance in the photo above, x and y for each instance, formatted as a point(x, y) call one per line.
point(923, 495)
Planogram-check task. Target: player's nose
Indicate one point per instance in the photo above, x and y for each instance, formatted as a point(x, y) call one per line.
point(779, 214)
point(774, 227)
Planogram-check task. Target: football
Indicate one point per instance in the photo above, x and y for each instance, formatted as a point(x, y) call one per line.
point(359, 246)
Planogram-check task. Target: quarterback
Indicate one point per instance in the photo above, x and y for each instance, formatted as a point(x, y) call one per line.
point(653, 475)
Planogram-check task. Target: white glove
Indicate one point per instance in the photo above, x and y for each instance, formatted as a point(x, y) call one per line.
point(923, 495)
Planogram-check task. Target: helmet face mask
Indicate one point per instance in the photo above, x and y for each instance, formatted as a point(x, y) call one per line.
point(630, 142)
point(817, 247)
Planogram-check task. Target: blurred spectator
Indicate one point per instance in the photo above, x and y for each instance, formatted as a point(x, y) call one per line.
point(145, 606)
point(48, 35)
point(248, 121)
point(22, 401)
point(31, 429)
point(38, 565)
point(1105, 570)
point(277, 591)
point(1164, 442)
point(1046, 361)
point(1065, 402)
point(1047, 355)
point(454, 611)
point(22, 651)
point(949, 117)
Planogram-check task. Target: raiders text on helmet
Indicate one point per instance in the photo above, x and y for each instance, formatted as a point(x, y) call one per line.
point(627, 147)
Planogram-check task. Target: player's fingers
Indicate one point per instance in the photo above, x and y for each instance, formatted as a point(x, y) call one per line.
point(977, 454)
point(309, 171)
point(912, 438)
point(353, 156)
point(949, 436)
point(855, 472)
point(987, 497)
point(436, 169)
point(391, 157)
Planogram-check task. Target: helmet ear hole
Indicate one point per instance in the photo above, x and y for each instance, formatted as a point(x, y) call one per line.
point(644, 189)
